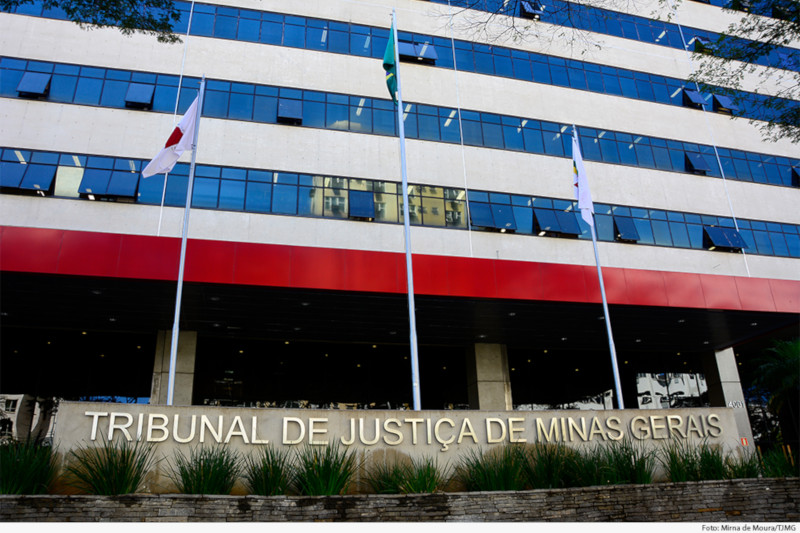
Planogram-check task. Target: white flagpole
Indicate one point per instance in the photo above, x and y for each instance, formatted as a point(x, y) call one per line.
point(612, 349)
point(173, 353)
point(407, 230)
point(175, 114)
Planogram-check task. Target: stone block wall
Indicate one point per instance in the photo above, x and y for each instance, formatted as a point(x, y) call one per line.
point(751, 500)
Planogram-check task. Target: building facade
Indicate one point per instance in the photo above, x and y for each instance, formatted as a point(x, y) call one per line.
point(295, 281)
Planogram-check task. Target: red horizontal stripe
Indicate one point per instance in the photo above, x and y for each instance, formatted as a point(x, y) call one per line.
point(50, 251)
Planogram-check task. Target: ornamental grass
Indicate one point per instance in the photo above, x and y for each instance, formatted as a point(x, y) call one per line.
point(493, 470)
point(116, 467)
point(416, 476)
point(26, 468)
point(269, 471)
point(206, 470)
point(324, 470)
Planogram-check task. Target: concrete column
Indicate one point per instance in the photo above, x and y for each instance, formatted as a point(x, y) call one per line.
point(725, 389)
point(184, 368)
point(489, 383)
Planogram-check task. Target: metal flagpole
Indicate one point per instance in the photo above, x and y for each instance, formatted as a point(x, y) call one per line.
point(173, 353)
point(617, 383)
point(407, 229)
point(175, 114)
point(586, 207)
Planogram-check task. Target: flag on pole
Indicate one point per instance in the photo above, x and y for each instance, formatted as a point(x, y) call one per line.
point(582, 193)
point(390, 66)
point(180, 141)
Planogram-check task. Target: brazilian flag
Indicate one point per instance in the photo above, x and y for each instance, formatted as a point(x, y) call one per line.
point(390, 66)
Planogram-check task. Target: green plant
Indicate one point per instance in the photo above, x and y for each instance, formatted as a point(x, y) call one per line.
point(585, 468)
point(778, 463)
point(26, 468)
point(627, 462)
point(324, 470)
point(414, 477)
point(743, 465)
point(206, 470)
point(498, 469)
point(711, 462)
point(423, 475)
point(545, 466)
point(116, 467)
point(680, 461)
point(268, 472)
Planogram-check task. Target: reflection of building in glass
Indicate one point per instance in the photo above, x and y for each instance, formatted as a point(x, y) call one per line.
point(295, 288)
point(665, 390)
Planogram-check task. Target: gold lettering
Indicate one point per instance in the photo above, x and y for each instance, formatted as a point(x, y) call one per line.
point(139, 427)
point(206, 423)
point(491, 439)
point(675, 425)
point(715, 428)
point(254, 430)
point(512, 430)
point(361, 432)
point(550, 434)
point(112, 425)
point(563, 428)
point(615, 424)
point(192, 427)
point(95, 417)
point(467, 431)
point(596, 429)
point(161, 427)
point(394, 431)
point(317, 431)
point(430, 433)
point(414, 422)
point(237, 421)
point(574, 427)
point(439, 439)
point(657, 423)
point(639, 428)
point(693, 427)
point(299, 423)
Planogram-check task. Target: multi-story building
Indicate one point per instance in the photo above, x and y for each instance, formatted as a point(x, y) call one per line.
point(295, 280)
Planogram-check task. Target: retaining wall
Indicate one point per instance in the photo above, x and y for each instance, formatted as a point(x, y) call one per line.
point(751, 500)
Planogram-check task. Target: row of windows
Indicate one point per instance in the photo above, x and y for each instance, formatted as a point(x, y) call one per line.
point(584, 17)
point(269, 104)
point(339, 37)
point(286, 193)
point(780, 9)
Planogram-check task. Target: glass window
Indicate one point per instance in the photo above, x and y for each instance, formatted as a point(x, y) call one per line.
point(88, 91)
point(258, 197)
point(284, 199)
point(231, 195)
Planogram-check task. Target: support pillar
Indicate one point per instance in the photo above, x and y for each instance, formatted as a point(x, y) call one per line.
point(489, 383)
point(725, 389)
point(184, 368)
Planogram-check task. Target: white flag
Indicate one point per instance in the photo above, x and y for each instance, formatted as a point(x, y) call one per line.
point(582, 193)
point(180, 141)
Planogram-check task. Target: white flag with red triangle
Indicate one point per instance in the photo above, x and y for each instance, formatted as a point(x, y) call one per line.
point(181, 140)
point(582, 193)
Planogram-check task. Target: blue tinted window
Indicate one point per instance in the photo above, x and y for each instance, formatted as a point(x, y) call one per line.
point(284, 199)
point(258, 197)
point(11, 174)
point(88, 91)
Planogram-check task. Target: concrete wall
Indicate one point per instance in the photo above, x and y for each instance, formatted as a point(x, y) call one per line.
point(752, 500)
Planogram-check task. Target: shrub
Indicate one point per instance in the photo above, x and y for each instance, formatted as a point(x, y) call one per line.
point(628, 462)
point(680, 461)
point(206, 470)
point(111, 468)
point(777, 463)
point(545, 466)
point(744, 465)
point(497, 469)
point(268, 472)
point(711, 462)
point(586, 468)
point(26, 468)
point(414, 477)
point(324, 470)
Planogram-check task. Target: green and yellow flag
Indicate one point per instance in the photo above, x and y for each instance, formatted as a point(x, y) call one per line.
point(390, 66)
